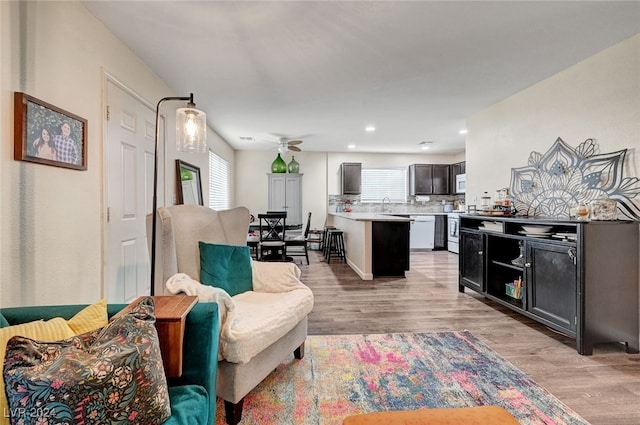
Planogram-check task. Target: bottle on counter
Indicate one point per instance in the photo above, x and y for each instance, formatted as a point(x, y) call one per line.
point(485, 201)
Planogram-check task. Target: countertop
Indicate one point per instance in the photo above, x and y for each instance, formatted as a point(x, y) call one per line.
point(387, 216)
point(358, 216)
point(424, 213)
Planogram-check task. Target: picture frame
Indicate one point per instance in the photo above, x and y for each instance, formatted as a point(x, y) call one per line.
point(46, 134)
point(188, 184)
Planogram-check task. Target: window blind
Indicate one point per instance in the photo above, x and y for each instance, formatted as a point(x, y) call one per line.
point(380, 183)
point(218, 182)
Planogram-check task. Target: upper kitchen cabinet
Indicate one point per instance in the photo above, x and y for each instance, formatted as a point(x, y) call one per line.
point(429, 179)
point(350, 178)
point(457, 169)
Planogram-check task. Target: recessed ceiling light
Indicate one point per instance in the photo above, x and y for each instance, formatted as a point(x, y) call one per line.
point(463, 131)
point(425, 147)
point(351, 146)
point(370, 128)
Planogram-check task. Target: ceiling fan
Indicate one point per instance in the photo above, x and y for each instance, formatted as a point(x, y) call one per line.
point(291, 145)
point(285, 144)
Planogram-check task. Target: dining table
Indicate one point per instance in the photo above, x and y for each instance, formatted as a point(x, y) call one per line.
point(253, 238)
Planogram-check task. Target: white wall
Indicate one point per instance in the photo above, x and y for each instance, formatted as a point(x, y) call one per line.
point(596, 98)
point(321, 175)
point(252, 189)
point(51, 219)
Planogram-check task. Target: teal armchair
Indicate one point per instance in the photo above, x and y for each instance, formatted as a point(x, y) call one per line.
point(193, 395)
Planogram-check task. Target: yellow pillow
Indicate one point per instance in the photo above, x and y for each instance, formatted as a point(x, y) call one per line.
point(90, 318)
point(56, 329)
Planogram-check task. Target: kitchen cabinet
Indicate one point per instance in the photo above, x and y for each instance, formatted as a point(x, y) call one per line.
point(584, 286)
point(285, 194)
point(429, 179)
point(351, 178)
point(456, 169)
point(441, 235)
point(390, 248)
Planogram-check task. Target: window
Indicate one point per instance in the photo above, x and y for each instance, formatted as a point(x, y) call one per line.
point(218, 182)
point(380, 183)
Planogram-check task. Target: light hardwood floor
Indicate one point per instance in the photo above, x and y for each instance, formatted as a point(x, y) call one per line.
point(603, 388)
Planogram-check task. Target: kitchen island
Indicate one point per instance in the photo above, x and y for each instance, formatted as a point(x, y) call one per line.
point(376, 245)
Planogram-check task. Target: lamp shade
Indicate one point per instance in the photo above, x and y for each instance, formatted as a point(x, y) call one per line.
point(191, 130)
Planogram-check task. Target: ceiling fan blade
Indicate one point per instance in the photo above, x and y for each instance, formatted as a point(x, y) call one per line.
point(294, 142)
point(294, 148)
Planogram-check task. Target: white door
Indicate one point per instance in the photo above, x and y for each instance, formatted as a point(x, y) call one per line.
point(294, 199)
point(285, 194)
point(129, 153)
point(277, 192)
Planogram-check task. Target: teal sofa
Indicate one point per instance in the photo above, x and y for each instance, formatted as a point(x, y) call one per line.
point(193, 395)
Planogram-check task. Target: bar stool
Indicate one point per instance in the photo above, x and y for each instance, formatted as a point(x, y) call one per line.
point(335, 245)
point(325, 239)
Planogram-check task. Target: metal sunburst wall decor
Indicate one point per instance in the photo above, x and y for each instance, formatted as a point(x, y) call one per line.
point(561, 179)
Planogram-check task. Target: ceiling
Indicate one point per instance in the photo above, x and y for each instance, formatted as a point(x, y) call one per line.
point(323, 71)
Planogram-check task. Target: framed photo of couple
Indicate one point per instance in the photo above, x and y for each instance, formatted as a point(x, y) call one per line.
point(48, 135)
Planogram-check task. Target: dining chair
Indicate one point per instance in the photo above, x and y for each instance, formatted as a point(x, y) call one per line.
point(299, 242)
point(272, 229)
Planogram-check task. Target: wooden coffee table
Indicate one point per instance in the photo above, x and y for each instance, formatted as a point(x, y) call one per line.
point(171, 313)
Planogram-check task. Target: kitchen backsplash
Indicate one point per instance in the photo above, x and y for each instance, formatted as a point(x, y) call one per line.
point(433, 205)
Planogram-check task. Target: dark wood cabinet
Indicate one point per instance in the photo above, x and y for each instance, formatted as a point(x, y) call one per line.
point(441, 180)
point(456, 169)
point(472, 263)
point(585, 287)
point(351, 178)
point(441, 236)
point(390, 248)
point(429, 179)
point(553, 285)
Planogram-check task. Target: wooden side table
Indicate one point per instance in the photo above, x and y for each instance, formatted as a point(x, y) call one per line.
point(171, 312)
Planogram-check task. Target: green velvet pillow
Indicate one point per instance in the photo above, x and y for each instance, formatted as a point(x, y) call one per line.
point(226, 266)
point(3, 322)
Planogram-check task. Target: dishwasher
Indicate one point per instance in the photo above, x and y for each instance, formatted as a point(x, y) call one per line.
point(422, 232)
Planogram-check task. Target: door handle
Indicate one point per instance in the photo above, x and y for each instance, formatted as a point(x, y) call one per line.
point(572, 254)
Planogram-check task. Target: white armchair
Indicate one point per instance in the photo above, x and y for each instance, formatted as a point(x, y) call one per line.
point(260, 328)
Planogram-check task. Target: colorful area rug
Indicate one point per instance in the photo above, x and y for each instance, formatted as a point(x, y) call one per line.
point(348, 374)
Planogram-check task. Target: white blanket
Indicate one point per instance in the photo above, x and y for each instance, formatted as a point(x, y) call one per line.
point(275, 277)
point(253, 320)
point(182, 282)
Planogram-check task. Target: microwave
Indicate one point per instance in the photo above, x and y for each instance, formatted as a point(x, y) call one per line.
point(461, 183)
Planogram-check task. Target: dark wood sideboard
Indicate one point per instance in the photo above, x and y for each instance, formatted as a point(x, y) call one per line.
point(585, 287)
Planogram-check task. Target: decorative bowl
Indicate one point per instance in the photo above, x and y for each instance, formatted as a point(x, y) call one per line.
point(537, 229)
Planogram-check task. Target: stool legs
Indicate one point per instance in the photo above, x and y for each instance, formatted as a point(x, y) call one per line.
point(325, 243)
point(335, 245)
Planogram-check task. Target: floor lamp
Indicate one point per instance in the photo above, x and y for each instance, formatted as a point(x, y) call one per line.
point(191, 136)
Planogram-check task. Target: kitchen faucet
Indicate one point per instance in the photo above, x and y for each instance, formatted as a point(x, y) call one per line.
point(389, 201)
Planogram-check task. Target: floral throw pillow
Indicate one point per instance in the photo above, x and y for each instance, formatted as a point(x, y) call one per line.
point(113, 375)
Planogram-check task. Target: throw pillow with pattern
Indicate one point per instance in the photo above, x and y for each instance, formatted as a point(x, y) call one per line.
point(109, 376)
